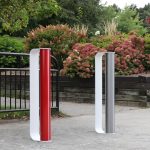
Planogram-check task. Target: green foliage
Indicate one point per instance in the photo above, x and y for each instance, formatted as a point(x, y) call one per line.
point(15, 115)
point(128, 20)
point(59, 38)
point(47, 8)
point(77, 12)
point(144, 13)
point(147, 43)
point(24, 115)
point(10, 44)
point(103, 41)
point(107, 13)
point(90, 12)
point(15, 14)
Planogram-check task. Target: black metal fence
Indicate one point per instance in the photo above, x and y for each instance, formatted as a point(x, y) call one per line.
point(14, 82)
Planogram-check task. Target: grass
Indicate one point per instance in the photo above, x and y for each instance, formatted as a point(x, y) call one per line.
point(24, 115)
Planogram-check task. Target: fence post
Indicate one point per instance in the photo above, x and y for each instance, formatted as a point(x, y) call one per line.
point(110, 95)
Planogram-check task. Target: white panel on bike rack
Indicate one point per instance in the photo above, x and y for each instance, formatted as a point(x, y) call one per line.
point(34, 95)
point(98, 93)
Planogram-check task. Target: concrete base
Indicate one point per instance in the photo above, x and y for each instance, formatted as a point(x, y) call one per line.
point(77, 132)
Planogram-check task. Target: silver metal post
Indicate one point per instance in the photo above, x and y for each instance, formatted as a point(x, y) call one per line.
point(110, 93)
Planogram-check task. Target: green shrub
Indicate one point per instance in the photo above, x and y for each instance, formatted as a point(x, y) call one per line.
point(147, 43)
point(10, 44)
point(103, 41)
point(59, 38)
point(128, 20)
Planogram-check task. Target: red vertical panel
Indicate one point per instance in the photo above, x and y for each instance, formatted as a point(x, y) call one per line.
point(45, 94)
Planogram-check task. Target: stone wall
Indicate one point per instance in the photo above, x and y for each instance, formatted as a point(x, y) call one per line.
point(132, 91)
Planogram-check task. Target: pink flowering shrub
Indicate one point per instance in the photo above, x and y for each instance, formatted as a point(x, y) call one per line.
point(130, 57)
point(80, 61)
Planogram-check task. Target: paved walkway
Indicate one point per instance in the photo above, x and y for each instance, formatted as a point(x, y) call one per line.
point(77, 132)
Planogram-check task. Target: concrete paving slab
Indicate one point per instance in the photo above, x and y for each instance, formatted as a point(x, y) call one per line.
point(77, 132)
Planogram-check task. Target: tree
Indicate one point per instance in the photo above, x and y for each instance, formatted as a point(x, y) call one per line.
point(128, 20)
point(89, 12)
point(78, 12)
point(15, 14)
point(144, 14)
point(107, 14)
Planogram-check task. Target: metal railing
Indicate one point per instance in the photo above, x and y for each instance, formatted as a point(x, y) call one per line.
point(14, 83)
